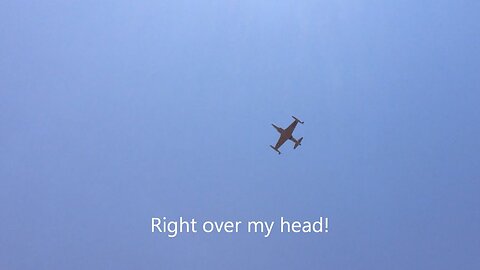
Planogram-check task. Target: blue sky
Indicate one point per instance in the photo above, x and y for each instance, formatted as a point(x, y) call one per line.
point(114, 112)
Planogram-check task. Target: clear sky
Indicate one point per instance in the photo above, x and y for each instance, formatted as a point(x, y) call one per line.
point(113, 112)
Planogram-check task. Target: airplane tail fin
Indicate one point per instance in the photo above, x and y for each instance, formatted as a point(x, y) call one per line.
point(275, 149)
point(299, 142)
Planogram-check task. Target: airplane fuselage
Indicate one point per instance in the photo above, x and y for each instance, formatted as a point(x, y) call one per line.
point(285, 134)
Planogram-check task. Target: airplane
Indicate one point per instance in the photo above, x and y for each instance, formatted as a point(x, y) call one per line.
point(286, 134)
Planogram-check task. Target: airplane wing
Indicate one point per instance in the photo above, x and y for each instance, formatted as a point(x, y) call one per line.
point(292, 126)
point(280, 141)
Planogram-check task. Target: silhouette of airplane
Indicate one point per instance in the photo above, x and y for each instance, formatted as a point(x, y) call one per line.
point(286, 134)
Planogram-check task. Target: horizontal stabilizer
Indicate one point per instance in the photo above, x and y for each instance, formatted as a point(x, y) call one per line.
point(299, 142)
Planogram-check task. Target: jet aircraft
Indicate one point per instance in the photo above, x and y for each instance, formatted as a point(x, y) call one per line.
point(286, 134)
